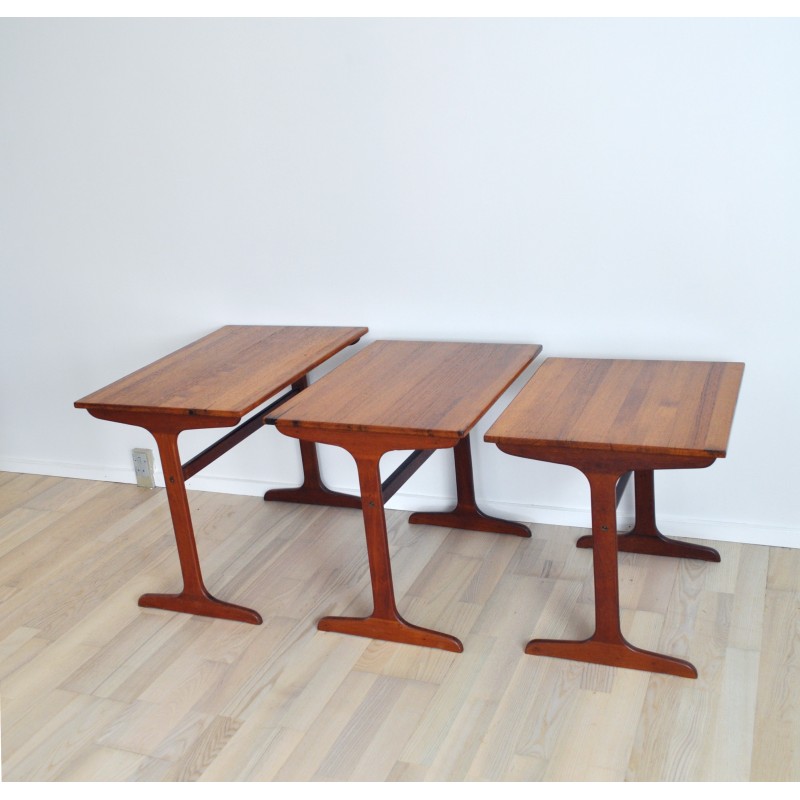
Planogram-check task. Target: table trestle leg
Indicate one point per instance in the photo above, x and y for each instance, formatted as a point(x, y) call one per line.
point(466, 515)
point(194, 598)
point(385, 621)
point(607, 645)
point(645, 536)
point(312, 491)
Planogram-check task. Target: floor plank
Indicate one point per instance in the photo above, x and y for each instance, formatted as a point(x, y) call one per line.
point(94, 688)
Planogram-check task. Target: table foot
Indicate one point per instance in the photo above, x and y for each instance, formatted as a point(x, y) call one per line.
point(471, 520)
point(203, 605)
point(391, 630)
point(657, 545)
point(466, 515)
point(312, 491)
point(613, 654)
point(314, 495)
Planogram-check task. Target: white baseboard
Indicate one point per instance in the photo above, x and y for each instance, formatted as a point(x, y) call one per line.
point(715, 530)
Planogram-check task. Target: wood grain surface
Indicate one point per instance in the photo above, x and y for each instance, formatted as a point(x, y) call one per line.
point(416, 388)
point(682, 408)
point(227, 373)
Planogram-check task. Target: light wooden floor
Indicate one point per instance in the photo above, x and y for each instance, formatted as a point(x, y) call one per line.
point(95, 688)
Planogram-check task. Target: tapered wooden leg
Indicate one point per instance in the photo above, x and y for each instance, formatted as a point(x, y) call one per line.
point(645, 537)
point(312, 491)
point(607, 645)
point(195, 598)
point(466, 514)
point(385, 621)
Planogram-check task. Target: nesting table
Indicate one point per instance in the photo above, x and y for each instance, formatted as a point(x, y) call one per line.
point(406, 395)
point(215, 382)
point(609, 418)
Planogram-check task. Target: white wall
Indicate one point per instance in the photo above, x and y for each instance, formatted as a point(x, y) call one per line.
point(619, 188)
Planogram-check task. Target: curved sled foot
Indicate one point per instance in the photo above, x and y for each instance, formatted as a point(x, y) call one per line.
point(314, 495)
point(391, 630)
point(202, 605)
point(612, 654)
point(474, 520)
point(657, 545)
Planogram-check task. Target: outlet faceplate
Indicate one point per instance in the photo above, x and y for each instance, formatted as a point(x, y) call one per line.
point(143, 466)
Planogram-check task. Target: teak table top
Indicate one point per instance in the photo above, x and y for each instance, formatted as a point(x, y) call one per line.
point(675, 408)
point(225, 374)
point(410, 387)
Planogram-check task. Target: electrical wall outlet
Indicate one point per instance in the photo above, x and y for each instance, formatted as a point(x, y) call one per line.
point(143, 465)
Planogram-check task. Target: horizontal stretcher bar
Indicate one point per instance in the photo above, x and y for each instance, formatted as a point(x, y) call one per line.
point(238, 434)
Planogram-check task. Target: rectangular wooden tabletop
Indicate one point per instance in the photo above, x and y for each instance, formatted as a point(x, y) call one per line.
point(410, 387)
point(227, 373)
point(667, 407)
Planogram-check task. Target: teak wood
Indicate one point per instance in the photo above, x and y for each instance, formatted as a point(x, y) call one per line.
point(401, 395)
point(607, 418)
point(215, 382)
